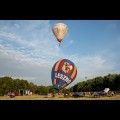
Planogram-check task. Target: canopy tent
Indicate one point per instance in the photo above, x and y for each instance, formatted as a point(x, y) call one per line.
point(106, 90)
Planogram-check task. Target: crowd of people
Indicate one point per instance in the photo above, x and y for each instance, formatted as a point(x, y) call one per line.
point(11, 94)
point(19, 93)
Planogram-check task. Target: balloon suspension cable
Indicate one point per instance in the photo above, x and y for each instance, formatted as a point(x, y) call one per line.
point(59, 43)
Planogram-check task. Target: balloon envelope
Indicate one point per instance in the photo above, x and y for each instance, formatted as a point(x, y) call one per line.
point(60, 30)
point(63, 73)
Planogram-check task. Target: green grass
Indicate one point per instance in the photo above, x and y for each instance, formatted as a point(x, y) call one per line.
point(58, 97)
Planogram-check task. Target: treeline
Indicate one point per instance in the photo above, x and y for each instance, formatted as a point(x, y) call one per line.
point(111, 81)
point(8, 84)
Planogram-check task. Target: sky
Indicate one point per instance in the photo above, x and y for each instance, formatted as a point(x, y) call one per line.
point(29, 49)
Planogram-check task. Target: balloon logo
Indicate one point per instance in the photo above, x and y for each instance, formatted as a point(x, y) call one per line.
point(63, 73)
point(60, 30)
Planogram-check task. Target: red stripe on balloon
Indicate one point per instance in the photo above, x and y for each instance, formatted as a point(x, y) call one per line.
point(60, 65)
point(75, 75)
point(56, 81)
point(72, 69)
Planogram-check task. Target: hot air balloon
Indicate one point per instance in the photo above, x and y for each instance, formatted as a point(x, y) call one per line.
point(63, 73)
point(60, 30)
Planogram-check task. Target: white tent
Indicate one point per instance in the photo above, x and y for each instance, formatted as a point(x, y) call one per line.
point(106, 90)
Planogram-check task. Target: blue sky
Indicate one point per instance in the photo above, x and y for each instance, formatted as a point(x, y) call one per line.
point(28, 48)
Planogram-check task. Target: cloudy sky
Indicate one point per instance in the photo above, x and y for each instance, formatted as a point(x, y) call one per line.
point(29, 49)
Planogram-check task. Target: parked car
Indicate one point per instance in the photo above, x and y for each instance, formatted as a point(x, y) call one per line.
point(77, 94)
point(96, 94)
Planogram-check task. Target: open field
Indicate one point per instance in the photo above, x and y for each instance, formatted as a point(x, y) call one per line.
point(58, 97)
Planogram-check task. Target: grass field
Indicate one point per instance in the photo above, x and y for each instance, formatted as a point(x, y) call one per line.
point(58, 97)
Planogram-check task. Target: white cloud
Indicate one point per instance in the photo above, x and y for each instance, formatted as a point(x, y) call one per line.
point(68, 43)
point(39, 69)
point(92, 66)
point(13, 64)
point(16, 25)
